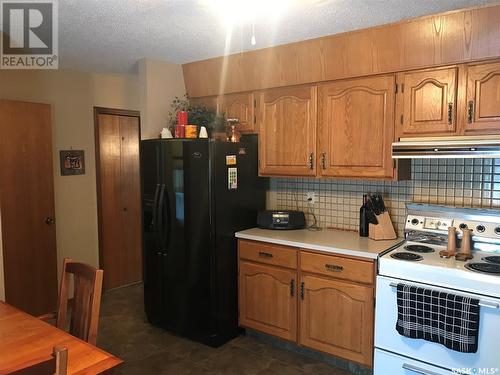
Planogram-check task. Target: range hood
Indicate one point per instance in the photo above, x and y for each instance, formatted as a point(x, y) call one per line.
point(487, 146)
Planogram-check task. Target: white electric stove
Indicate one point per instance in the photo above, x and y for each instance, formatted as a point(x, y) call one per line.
point(417, 262)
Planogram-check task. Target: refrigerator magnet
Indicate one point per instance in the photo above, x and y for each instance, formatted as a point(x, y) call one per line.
point(232, 178)
point(230, 159)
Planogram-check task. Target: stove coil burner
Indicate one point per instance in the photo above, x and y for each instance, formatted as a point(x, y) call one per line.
point(406, 256)
point(488, 268)
point(494, 259)
point(419, 248)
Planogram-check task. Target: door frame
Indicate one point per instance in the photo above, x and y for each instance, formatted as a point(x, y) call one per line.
point(114, 112)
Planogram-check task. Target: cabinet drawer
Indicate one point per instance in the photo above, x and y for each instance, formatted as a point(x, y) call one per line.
point(337, 267)
point(267, 253)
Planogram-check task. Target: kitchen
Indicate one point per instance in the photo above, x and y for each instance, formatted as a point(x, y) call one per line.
point(407, 110)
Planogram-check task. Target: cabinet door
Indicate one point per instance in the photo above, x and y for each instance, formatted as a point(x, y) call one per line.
point(483, 98)
point(357, 127)
point(337, 317)
point(287, 131)
point(241, 107)
point(267, 299)
point(428, 102)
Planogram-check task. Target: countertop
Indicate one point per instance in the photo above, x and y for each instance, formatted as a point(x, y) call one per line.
point(327, 240)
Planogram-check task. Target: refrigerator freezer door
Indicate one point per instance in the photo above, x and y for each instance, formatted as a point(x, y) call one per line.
point(151, 182)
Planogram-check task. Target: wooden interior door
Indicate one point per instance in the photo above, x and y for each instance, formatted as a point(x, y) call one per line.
point(357, 127)
point(483, 99)
point(287, 131)
point(117, 143)
point(241, 107)
point(337, 317)
point(429, 102)
point(267, 299)
point(27, 206)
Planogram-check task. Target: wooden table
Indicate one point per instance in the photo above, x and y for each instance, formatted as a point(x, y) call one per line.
point(26, 340)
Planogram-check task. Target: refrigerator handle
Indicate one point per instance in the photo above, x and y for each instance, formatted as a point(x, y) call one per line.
point(166, 225)
point(155, 209)
point(160, 214)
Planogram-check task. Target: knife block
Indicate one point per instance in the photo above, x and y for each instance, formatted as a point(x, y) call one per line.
point(384, 230)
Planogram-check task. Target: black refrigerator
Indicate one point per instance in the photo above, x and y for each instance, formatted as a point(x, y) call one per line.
point(195, 195)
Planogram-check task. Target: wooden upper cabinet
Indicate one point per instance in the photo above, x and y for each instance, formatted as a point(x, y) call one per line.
point(241, 107)
point(287, 131)
point(483, 99)
point(207, 101)
point(427, 102)
point(357, 127)
point(337, 318)
point(267, 299)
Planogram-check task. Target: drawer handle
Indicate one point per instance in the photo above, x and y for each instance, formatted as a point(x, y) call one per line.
point(292, 288)
point(483, 303)
point(333, 268)
point(302, 292)
point(470, 111)
point(263, 254)
point(418, 370)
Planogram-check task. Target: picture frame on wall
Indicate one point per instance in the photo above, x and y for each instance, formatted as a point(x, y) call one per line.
point(72, 162)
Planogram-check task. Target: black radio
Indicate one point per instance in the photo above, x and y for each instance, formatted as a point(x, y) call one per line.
point(284, 220)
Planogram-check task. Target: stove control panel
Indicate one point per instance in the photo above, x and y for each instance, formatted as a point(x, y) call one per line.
point(441, 225)
point(478, 228)
point(429, 224)
point(437, 224)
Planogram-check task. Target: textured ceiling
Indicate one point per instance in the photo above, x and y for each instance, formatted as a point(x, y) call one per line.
point(111, 35)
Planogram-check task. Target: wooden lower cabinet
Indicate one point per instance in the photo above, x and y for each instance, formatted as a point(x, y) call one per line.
point(324, 302)
point(267, 299)
point(336, 317)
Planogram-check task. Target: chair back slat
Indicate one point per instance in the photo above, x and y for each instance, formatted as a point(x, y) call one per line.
point(87, 288)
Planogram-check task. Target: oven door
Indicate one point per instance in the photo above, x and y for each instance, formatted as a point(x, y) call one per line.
point(387, 338)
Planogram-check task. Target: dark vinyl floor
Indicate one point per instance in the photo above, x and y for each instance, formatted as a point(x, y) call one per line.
point(124, 331)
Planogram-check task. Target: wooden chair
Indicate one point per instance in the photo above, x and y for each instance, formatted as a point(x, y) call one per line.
point(57, 365)
point(85, 304)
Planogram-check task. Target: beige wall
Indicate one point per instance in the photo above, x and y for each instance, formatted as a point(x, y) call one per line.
point(159, 83)
point(72, 96)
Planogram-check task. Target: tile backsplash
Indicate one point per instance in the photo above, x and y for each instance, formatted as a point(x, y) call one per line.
point(454, 182)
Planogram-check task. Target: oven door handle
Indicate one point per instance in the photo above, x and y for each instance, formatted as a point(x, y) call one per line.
point(483, 303)
point(418, 370)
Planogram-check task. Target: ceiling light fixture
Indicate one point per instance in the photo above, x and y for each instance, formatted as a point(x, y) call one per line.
point(253, 41)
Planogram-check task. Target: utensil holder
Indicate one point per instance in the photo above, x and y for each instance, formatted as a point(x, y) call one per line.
point(384, 230)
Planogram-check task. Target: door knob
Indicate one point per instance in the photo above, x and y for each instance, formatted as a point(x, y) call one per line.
point(49, 220)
